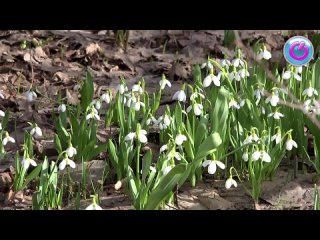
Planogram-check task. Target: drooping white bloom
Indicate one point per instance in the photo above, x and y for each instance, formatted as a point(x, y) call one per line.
point(253, 137)
point(180, 138)
point(236, 105)
point(30, 95)
point(142, 136)
point(7, 139)
point(121, 88)
point(245, 157)
point(167, 170)
point(243, 73)
point(237, 62)
point(93, 114)
point(106, 97)
point(230, 181)
point(36, 131)
point(2, 113)
point(71, 151)
point(137, 105)
point(195, 95)
point(66, 162)
point(180, 96)
point(131, 101)
point(307, 106)
point(299, 69)
point(211, 78)
point(258, 93)
point(62, 107)
point(310, 91)
point(273, 99)
point(263, 155)
point(287, 75)
point(153, 169)
point(276, 137)
point(276, 115)
point(225, 63)
point(0, 126)
point(163, 148)
point(137, 88)
point(94, 206)
point(212, 165)
point(264, 54)
point(290, 144)
point(26, 163)
point(151, 120)
point(207, 64)
point(164, 82)
point(197, 109)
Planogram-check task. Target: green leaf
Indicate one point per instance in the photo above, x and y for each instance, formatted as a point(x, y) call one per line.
point(207, 147)
point(87, 91)
point(57, 144)
point(178, 114)
point(200, 132)
point(165, 186)
point(146, 163)
point(32, 175)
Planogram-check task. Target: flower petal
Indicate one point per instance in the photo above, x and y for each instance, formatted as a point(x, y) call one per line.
point(212, 167)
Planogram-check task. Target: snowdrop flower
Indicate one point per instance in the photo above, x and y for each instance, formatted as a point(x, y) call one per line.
point(141, 136)
point(276, 115)
point(93, 114)
point(225, 63)
point(211, 78)
point(66, 162)
point(106, 97)
point(121, 88)
point(131, 101)
point(207, 64)
point(230, 182)
point(236, 105)
point(180, 96)
point(264, 54)
point(276, 137)
point(253, 137)
point(287, 75)
point(299, 69)
point(175, 155)
point(138, 105)
point(163, 148)
point(264, 156)
point(30, 95)
point(212, 165)
point(36, 131)
point(7, 139)
point(290, 144)
point(137, 88)
point(316, 108)
point(62, 107)
point(26, 163)
point(153, 169)
point(97, 104)
point(94, 205)
point(195, 95)
point(245, 156)
point(180, 138)
point(262, 109)
point(197, 109)
point(1, 95)
point(167, 170)
point(164, 82)
point(164, 122)
point(307, 107)
point(273, 99)
point(151, 120)
point(71, 151)
point(243, 73)
point(2, 114)
point(310, 91)
point(258, 93)
point(0, 126)
point(237, 62)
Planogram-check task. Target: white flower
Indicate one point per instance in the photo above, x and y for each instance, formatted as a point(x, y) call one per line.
point(151, 120)
point(131, 101)
point(167, 170)
point(230, 182)
point(94, 206)
point(138, 105)
point(297, 77)
point(276, 137)
point(153, 169)
point(276, 115)
point(237, 61)
point(307, 106)
point(273, 99)
point(142, 136)
point(243, 73)
point(264, 156)
point(71, 151)
point(225, 62)
point(163, 148)
point(245, 156)
point(62, 108)
point(97, 104)
point(66, 161)
point(7, 139)
point(1, 95)
point(180, 138)
point(180, 96)
point(36, 131)
point(137, 88)
point(163, 122)
point(106, 98)
point(207, 64)
point(26, 163)
point(265, 54)
point(93, 114)
point(2, 114)
point(299, 69)
point(310, 91)
point(263, 111)
point(30, 95)
point(176, 155)
point(195, 95)
point(291, 143)
point(258, 93)
point(213, 165)
point(287, 75)
point(0, 126)
point(212, 78)
point(197, 108)
point(121, 88)
point(234, 104)
point(164, 82)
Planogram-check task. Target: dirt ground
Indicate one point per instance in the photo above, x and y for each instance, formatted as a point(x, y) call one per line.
point(55, 61)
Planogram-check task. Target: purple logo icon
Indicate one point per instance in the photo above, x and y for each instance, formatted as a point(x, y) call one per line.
point(298, 51)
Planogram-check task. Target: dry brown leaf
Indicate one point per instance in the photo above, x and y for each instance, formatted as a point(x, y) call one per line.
point(72, 97)
point(92, 48)
point(61, 76)
point(27, 57)
point(40, 53)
